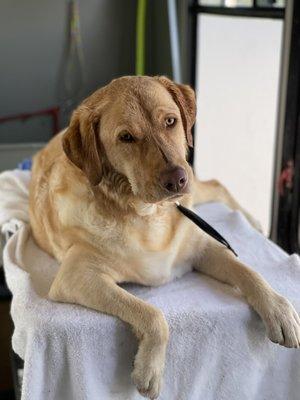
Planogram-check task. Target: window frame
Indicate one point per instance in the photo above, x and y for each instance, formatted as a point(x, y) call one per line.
point(285, 209)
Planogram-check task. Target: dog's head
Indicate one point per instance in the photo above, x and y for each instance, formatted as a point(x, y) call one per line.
point(139, 127)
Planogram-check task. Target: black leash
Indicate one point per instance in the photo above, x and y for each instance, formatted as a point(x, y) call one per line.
point(204, 226)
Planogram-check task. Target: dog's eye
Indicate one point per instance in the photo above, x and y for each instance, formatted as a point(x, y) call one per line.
point(170, 122)
point(126, 137)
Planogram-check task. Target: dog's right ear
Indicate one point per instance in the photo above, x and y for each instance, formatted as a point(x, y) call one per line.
point(81, 143)
point(184, 97)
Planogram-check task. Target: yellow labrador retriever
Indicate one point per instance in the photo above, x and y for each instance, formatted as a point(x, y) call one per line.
point(102, 202)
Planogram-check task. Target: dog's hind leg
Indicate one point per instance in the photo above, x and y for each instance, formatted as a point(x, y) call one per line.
point(83, 278)
point(214, 191)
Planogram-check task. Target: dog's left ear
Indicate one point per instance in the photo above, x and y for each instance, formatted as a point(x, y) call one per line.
point(81, 144)
point(184, 97)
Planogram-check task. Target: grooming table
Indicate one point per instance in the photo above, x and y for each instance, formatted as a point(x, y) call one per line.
point(218, 346)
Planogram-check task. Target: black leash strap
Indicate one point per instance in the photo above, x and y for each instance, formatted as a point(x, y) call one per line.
point(204, 226)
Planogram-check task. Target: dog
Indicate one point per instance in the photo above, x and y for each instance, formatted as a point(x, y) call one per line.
point(102, 202)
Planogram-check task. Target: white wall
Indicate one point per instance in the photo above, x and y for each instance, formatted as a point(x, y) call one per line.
point(237, 88)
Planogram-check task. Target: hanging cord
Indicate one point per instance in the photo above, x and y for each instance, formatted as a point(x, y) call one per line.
point(75, 27)
point(75, 45)
point(204, 226)
point(140, 37)
point(71, 77)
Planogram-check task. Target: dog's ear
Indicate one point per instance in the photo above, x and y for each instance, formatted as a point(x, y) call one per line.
point(81, 143)
point(184, 97)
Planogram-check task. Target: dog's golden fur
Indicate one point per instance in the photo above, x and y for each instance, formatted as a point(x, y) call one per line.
point(97, 204)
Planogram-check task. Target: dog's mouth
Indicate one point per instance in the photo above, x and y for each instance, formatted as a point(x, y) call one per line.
point(155, 192)
point(162, 197)
point(176, 196)
point(172, 197)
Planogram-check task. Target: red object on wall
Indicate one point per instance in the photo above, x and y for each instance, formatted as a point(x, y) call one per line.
point(286, 178)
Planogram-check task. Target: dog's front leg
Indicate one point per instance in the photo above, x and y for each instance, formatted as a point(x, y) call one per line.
point(279, 316)
point(84, 279)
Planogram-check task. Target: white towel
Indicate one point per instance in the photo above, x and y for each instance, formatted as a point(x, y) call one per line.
point(218, 346)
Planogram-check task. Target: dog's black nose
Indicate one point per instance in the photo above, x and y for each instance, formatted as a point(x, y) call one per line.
point(174, 180)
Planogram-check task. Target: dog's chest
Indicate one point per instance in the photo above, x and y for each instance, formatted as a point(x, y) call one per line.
point(153, 252)
point(146, 249)
point(156, 270)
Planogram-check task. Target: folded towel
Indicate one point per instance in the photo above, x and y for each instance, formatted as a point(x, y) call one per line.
point(218, 346)
point(14, 187)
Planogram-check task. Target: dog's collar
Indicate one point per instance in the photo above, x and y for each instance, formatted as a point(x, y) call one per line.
point(204, 226)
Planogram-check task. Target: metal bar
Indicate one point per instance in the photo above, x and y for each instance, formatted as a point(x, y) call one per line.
point(285, 218)
point(28, 115)
point(174, 41)
point(257, 12)
point(140, 37)
point(291, 144)
point(52, 112)
point(193, 43)
point(193, 29)
point(295, 212)
point(281, 113)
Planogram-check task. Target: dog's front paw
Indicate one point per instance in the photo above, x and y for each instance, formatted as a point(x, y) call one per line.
point(148, 380)
point(148, 371)
point(282, 322)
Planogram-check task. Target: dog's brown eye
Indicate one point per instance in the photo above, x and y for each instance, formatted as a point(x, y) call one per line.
point(170, 122)
point(126, 137)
